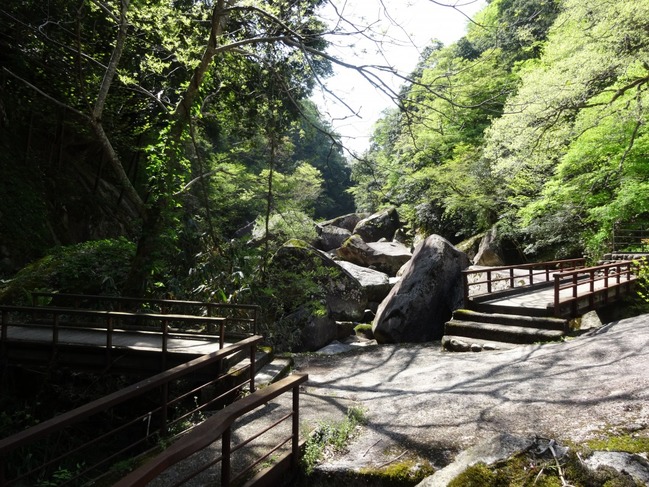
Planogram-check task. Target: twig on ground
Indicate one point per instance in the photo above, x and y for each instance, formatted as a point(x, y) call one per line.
point(393, 460)
point(372, 446)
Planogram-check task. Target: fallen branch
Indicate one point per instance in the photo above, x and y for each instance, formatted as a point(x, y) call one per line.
point(392, 461)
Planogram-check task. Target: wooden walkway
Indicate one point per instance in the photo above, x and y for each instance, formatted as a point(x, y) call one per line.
point(532, 303)
point(565, 289)
point(133, 340)
point(541, 298)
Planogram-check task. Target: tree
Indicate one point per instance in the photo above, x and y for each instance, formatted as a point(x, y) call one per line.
point(168, 60)
point(565, 150)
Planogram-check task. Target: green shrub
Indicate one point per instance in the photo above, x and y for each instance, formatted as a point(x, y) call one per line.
point(331, 437)
point(95, 267)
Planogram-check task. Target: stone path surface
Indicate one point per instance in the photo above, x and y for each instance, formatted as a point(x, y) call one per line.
point(429, 404)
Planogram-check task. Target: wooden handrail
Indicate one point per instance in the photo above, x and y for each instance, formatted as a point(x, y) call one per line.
point(546, 269)
point(65, 419)
point(160, 381)
point(214, 428)
point(621, 273)
point(251, 309)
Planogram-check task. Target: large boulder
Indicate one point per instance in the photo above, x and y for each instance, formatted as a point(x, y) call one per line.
point(347, 222)
point(497, 249)
point(382, 225)
point(304, 271)
point(376, 285)
point(312, 332)
point(425, 297)
point(331, 237)
point(386, 257)
point(489, 252)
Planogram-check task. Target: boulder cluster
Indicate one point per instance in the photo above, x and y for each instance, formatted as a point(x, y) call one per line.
point(407, 291)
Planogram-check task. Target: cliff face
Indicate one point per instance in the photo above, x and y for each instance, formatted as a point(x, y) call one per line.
point(54, 191)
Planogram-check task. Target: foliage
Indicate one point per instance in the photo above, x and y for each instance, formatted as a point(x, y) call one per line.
point(404, 473)
point(570, 144)
point(536, 120)
point(291, 224)
point(98, 267)
point(527, 470)
point(292, 290)
point(621, 442)
point(170, 147)
point(331, 438)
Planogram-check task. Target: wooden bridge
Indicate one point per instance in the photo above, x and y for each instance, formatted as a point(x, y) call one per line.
point(196, 358)
point(124, 335)
point(533, 302)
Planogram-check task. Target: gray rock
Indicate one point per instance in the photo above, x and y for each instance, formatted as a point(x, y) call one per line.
point(315, 331)
point(347, 222)
point(379, 225)
point(331, 237)
point(385, 257)
point(375, 284)
point(471, 245)
point(342, 293)
point(489, 252)
point(498, 448)
point(344, 329)
point(425, 297)
point(635, 465)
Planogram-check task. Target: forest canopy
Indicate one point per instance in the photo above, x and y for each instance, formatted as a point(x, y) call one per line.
point(535, 121)
point(182, 125)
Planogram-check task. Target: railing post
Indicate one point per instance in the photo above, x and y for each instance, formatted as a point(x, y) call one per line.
point(295, 440)
point(163, 408)
point(165, 336)
point(109, 338)
point(226, 471)
point(511, 278)
point(252, 368)
point(575, 303)
point(222, 334)
point(465, 282)
point(489, 281)
point(5, 326)
point(591, 297)
point(557, 285)
point(531, 276)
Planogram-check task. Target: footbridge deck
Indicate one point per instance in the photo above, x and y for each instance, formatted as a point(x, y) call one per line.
point(128, 334)
point(563, 289)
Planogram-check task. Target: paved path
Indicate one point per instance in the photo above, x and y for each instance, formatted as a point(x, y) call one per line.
point(430, 404)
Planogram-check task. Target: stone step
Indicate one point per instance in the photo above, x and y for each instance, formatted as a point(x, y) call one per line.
point(501, 333)
point(454, 343)
point(238, 368)
point(273, 371)
point(491, 308)
point(542, 322)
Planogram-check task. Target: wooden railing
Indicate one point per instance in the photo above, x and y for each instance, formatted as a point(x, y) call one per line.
point(631, 238)
point(482, 282)
point(219, 427)
point(135, 419)
point(582, 290)
point(244, 317)
point(109, 325)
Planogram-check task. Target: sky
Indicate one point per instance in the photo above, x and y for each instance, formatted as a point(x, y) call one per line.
point(404, 28)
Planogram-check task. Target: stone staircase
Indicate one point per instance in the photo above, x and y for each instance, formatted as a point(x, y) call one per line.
point(470, 330)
